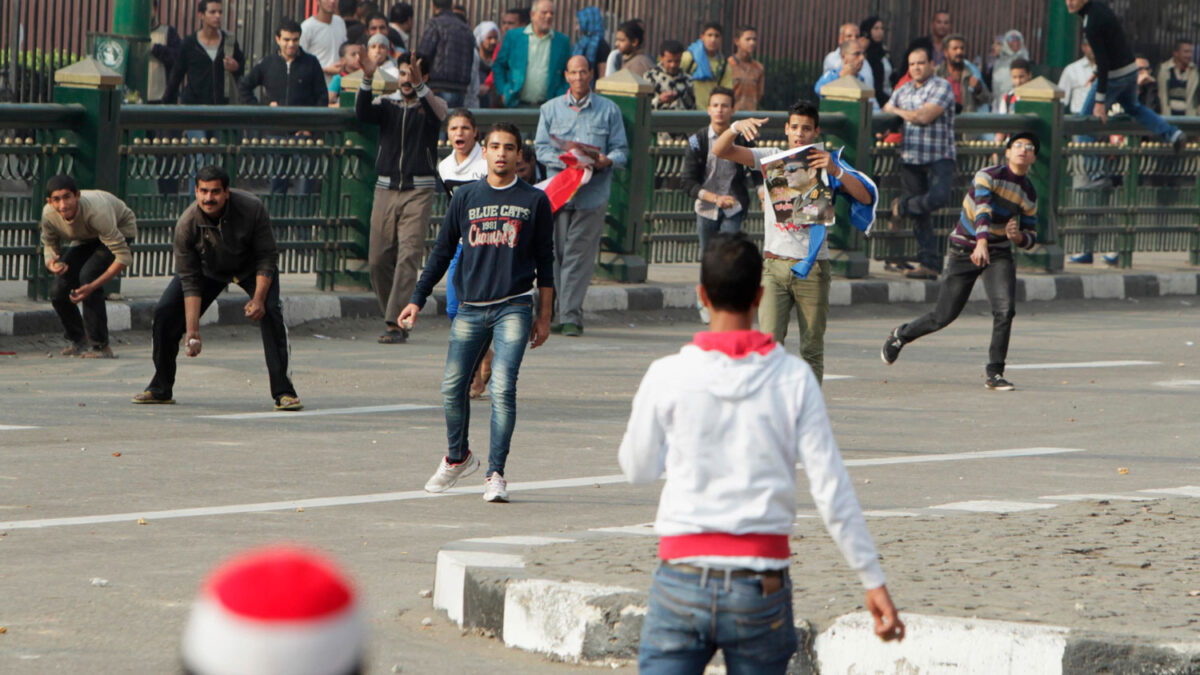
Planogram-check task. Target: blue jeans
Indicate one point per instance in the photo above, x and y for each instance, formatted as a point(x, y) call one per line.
point(688, 621)
point(453, 99)
point(707, 227)
point(506, 327)
point(1123, 90)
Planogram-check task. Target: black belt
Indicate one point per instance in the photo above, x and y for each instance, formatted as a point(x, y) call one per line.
point(771, 580)
point(720, 571)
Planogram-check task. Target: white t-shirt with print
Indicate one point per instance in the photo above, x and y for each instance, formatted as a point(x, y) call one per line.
point(789, 241)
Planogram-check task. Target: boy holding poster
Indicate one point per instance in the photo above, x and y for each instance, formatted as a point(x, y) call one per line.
point(803, 184)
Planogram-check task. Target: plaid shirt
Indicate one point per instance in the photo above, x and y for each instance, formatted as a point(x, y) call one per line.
point(924, 144)
point(450, 46)
point(681, 84)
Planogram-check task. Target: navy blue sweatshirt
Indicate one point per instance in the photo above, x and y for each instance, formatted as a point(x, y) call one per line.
point(508, 241)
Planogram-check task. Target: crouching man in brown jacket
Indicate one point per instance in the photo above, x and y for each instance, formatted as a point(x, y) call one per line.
point(224, 237)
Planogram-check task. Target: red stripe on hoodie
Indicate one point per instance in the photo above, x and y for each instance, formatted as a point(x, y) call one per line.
point(735, 343)
point(722, 544)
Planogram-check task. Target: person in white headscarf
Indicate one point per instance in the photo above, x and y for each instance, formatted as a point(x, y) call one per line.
point(479, 92)
point(1011, 49)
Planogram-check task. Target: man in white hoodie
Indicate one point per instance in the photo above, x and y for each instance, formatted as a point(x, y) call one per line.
point(729, 503)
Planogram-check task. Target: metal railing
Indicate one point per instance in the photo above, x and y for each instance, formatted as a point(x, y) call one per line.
point(299, 178)
point(33, 147)
point(1124, 193)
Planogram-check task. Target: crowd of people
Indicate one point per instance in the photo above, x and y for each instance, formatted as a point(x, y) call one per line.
point(518, 255)
point(467, 66)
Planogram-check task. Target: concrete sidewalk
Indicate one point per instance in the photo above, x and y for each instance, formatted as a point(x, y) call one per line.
point(670, 286)
point(517, 590)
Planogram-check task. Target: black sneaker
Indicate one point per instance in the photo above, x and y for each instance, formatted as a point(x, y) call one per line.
point(891, 347)
point(1177, 141)
point(996, 382)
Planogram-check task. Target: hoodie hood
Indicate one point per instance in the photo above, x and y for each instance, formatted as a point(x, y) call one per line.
point(736, 364)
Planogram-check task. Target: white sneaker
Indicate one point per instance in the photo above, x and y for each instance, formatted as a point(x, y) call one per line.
point(448, 474)
point(495, 489)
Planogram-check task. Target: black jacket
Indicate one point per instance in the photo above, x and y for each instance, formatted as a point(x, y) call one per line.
point(299, 83)
point(1114, 57)
point(205, 76)
point(407, 136)
point(240, 245)
point(695, 168)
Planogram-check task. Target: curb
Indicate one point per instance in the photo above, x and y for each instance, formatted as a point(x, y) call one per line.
point(483, 584)
point(297, 309)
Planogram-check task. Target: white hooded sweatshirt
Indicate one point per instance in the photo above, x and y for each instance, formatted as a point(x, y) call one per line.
point(727, 419)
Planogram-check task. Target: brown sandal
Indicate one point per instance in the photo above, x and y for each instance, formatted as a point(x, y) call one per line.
point(393, 337)
point(104, 352)
point(77, 349)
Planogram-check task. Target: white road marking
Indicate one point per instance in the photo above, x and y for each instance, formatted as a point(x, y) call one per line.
point(1080, 364)
point(315, 502)
point(1179, 384)
point(839, 377)
point(993, 506)
point(643, 529)
point(404, 407)
point(385, 497)
point(1099, 497)
point(519, 540)
point(1184, 491)
point(13, 427)
point(960, 456)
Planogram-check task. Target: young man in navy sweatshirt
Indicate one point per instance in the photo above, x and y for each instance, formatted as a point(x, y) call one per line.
point(727, 419)
point(507, 232)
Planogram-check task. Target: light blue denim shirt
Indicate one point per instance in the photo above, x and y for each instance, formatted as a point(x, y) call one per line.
point(597, 122)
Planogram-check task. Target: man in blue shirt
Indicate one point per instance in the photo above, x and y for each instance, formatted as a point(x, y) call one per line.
point(582, 117)
point(851, 53)
point(506, 229)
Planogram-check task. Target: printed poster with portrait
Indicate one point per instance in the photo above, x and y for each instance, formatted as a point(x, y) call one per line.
point(800, 196)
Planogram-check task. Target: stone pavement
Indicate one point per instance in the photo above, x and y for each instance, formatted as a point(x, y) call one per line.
point(983, 523)
point(581, 596)
point(668, 287)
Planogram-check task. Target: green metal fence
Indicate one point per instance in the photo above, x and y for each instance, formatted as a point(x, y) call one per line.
point(1125, 195)
point(33, 147)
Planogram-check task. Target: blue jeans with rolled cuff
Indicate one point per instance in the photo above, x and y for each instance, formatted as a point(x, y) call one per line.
point(505, 326)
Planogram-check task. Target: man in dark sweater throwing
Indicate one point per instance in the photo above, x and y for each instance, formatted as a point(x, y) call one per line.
point(507, 232)
point(999, 210)
point(224, 236)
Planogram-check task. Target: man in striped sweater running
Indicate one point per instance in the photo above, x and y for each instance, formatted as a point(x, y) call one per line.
point(998, 211)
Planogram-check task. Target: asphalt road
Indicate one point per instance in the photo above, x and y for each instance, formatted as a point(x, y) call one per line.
point(60, 480)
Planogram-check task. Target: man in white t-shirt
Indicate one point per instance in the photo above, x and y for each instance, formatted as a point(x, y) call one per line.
point(322, 34)
point(785, 245)
point(1077, 79)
